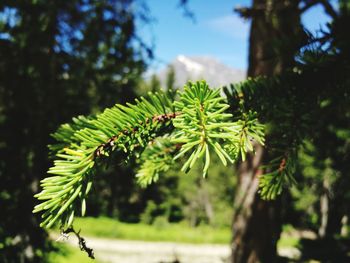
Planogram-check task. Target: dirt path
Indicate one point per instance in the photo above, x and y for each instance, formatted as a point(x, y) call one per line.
point(115, 251)
point(127, 251)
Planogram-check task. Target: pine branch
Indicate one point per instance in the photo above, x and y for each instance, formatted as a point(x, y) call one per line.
point(272, 100)
point(156, 130)
point(282, 175)
point(86, 141)
point(289, 106)
point(204, 125)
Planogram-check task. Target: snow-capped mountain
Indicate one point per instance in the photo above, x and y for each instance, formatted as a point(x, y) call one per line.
point(195, 68)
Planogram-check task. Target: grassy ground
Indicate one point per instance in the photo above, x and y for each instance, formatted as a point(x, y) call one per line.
point(180, 232)
point(288, 237)
point(162, 231)
point(288, 241)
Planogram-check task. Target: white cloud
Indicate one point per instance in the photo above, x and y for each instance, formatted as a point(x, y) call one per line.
point(230, 25)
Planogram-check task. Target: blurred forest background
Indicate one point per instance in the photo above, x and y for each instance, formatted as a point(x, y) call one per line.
point(60, 59)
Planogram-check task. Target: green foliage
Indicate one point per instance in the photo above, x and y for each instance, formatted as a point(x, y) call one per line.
point(208, 200)
point(120, 127)
point(282, 174)
point(289, 237)
point(170, 79)
point(260, 98)
point(64, 253)
point(154, 83)
point(250, 131)
point(147, 217)
point(204, 126)
point(153, 130)
point(192, 198)
point(155, 159)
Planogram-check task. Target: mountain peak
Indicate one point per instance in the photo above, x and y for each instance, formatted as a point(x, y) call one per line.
point(194, 68)
point(190, 64)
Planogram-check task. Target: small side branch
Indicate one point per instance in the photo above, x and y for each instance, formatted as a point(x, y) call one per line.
point(81, 242)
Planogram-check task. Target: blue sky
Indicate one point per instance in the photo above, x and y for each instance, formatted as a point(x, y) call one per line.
point(217, 32)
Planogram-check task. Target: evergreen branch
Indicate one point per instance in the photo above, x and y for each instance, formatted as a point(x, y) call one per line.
point(275, 100)
point(195, 125)
point(203, 125)
point(283, 169)
point(120, 127)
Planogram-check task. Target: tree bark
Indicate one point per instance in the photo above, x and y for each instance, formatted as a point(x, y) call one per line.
point(275, 36)
point(256, 226)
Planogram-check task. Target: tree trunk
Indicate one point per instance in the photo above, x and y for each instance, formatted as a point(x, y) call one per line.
point(256, 226)
point(324, 208)
point(275, 37)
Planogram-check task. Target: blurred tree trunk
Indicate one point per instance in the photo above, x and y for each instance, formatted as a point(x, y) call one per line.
point(275, 37)
point(324, 208)
point(256, 226)
point(333, 208)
